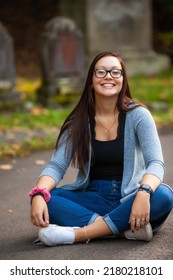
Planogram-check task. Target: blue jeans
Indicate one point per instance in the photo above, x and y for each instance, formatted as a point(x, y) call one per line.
point(102, 198)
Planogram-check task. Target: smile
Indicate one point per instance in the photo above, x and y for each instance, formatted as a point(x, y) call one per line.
point(108, 85)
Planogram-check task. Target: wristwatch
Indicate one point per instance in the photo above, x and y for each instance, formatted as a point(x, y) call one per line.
point(146, 188)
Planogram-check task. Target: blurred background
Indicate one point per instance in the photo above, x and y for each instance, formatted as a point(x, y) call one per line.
point(46, 47)
point(25, 21)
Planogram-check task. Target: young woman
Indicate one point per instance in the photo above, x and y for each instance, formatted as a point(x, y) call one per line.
point(114, 142)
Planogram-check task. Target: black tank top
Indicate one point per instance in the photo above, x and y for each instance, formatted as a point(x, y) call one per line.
point(108, 156)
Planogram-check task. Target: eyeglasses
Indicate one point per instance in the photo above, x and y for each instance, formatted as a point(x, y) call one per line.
point(115, 73)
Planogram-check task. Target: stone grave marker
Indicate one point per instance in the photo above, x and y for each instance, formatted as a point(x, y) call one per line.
point(62, 60)
point(9, 97)
point(123, 26)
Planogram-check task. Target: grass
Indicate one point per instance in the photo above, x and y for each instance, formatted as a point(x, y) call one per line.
point(156, 92)
point(158, 88)
point(36, 128)
point(29, 131)
point(38, 118)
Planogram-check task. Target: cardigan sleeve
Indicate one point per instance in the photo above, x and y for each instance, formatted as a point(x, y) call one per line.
point(149, 142)
point(59, 162)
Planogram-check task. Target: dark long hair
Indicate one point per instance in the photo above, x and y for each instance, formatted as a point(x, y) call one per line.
point(77, 123)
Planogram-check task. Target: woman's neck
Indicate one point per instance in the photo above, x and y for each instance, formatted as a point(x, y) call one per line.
point(106, 107)
point(106, 111)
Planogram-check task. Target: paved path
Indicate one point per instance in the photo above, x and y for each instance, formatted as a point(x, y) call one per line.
point(17, 233)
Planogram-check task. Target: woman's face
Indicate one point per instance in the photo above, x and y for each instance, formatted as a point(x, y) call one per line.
point(108, 85)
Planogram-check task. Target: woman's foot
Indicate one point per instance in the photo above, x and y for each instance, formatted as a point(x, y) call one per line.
point(56, 235)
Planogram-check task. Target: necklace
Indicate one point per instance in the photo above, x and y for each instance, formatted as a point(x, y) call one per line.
point(107, 128)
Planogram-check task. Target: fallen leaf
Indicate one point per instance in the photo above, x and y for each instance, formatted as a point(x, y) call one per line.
point(40, 162)
point(10, 211)
point(37, 111)
point(2, 128)
point(16, 147)
point(6, 167)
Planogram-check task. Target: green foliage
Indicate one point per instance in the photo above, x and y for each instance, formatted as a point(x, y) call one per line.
point(28, 88)
point(156, 92)
point(166, 38)
point(38, 118)
point(158, 88)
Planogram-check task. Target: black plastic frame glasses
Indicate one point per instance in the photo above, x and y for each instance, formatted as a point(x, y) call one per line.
point(101, 73)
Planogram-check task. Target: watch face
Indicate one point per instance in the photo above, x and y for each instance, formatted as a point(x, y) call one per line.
point(147, 187)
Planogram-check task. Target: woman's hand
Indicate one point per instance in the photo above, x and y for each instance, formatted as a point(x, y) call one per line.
point(39, 212)
point(140, 213)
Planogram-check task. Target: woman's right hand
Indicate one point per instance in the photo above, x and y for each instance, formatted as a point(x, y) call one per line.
point(39, 212)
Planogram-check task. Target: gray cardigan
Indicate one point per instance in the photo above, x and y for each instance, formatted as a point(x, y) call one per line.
point(142, 155)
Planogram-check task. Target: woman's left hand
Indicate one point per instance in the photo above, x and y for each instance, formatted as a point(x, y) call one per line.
point(140, 213)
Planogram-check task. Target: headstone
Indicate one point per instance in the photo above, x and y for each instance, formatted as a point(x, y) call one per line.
point(62, 59)
point(9, 97)
point(124, 26)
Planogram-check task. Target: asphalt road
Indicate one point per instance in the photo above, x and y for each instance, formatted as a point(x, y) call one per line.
point(17, 233)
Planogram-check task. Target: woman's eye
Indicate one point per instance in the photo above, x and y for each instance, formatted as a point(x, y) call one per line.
point(115, 72)
point(101, 71)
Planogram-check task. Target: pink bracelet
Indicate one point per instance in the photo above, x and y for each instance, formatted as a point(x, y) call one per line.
point(43, 191)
